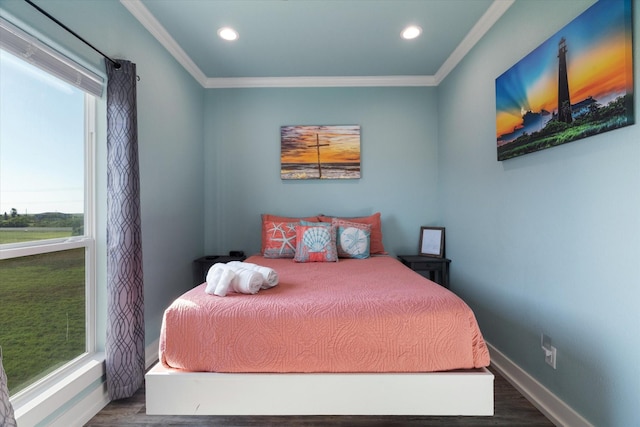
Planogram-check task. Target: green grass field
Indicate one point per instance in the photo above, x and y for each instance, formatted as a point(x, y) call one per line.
point(42, 317)
point(13, 235)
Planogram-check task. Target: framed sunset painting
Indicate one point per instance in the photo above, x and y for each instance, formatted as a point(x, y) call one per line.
point(320, 152)
point(576, 84)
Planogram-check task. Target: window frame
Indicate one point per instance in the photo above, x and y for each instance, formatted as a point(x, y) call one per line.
point(88, 241)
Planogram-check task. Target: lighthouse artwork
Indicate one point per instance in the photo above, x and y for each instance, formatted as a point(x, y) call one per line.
point(576, 84)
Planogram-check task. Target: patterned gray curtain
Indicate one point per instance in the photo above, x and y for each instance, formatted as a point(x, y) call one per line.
point(124, 346)
point(6, 410)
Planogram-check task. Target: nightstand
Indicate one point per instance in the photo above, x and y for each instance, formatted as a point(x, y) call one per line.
point(203, 264)
point(436, 269)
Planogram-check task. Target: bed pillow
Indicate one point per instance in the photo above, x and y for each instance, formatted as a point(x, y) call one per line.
point(376, 246)
point(352, 238)
point(315, 243)
point(268, 219)
point(280, 241)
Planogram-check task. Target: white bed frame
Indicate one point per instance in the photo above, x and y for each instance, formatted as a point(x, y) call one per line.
point(464, 392)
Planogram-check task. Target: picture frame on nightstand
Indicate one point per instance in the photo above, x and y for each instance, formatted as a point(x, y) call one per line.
point(432, 242)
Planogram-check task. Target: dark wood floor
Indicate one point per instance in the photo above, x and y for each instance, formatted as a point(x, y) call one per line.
point(511, 409)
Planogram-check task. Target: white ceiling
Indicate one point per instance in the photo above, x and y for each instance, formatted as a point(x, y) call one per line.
point(285, 43)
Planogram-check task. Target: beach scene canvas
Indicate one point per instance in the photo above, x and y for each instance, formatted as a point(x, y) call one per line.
point(576, 84)
point(320, 152)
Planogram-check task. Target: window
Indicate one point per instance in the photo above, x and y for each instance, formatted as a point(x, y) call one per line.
point(46, 212)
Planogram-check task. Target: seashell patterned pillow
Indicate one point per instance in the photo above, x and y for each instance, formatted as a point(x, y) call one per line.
point(316, 242)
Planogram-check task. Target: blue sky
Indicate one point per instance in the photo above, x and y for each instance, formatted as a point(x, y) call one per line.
point(41, 140)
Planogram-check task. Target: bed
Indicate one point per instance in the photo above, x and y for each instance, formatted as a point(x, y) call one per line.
point(357, 337)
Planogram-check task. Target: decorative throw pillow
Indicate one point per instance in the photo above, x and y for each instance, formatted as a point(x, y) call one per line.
point(352, 238)
point(268, 218)
point(376, 246)
point(280, 239)
point(316, 243)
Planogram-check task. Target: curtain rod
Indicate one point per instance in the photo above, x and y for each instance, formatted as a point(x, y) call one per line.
point(45, 13)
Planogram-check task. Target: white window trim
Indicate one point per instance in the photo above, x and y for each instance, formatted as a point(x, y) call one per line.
point(15, 250)
point(90, 216)
point(44, 398)
point(60, 395)
point(37, 53)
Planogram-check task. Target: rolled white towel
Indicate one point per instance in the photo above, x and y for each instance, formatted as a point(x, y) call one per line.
point(269, 275)
point(246, 281)
point(213, 277)
point(227, 277)
point(219, 279)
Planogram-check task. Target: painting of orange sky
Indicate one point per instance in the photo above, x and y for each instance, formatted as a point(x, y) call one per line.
point(599, 65)
point(334, 149)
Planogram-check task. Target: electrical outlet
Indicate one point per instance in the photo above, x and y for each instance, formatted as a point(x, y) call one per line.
point(549, 350)
point(550, 356)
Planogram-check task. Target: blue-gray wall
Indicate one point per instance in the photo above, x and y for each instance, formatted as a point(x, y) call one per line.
point(242, 161)
point(548, 242)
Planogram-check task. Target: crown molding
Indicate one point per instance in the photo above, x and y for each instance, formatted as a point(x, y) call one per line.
point(142, 14)
point(490, 17)
point(146, 18)
point(318, 81)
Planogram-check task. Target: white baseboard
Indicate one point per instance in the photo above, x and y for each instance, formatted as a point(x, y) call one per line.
point(542, 398)
point(151, 354)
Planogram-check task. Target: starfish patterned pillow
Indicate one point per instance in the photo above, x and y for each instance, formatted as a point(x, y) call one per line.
point(267, 227)
point(280, 239)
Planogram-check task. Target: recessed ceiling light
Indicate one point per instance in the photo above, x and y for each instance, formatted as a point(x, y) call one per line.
point(411, 32)
point(228, 33)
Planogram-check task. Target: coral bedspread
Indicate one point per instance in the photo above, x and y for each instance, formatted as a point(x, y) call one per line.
point(364, 315)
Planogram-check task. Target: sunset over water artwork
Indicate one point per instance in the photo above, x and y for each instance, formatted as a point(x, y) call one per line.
point(320, 152)
point(578, 83)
